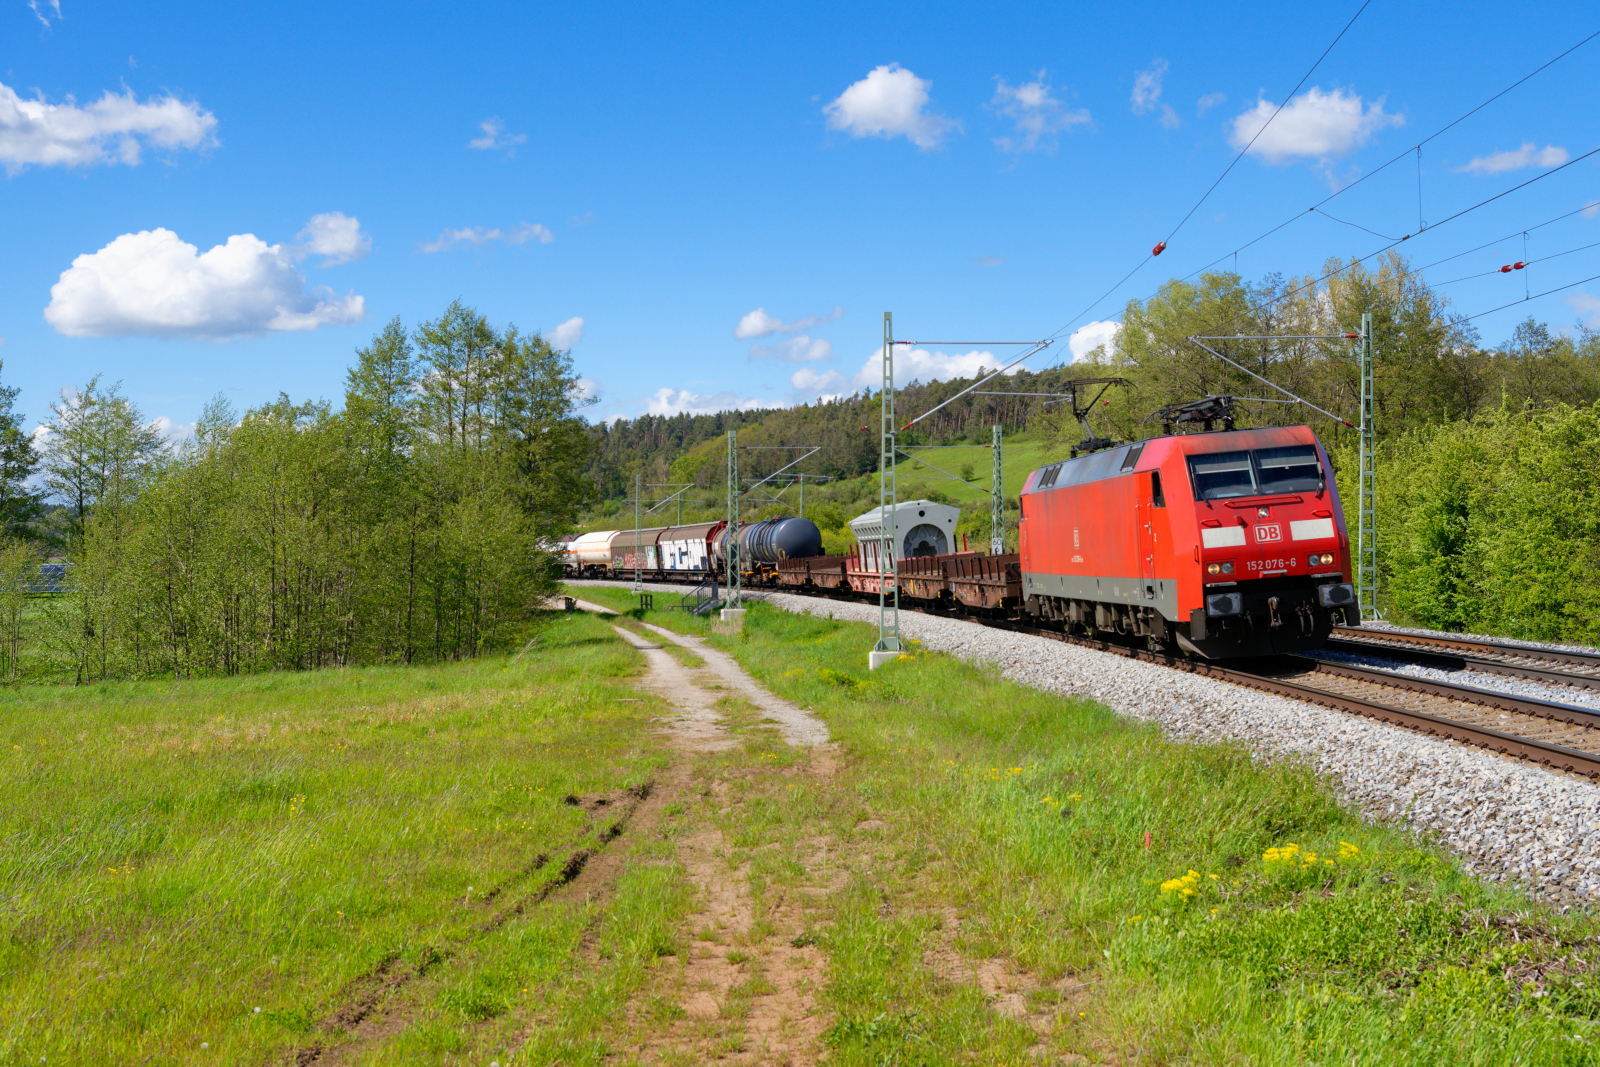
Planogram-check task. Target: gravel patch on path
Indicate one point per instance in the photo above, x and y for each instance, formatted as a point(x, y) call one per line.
point(1507, 821)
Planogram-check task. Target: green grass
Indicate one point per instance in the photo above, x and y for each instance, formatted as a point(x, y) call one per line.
point(179, 855)
point(1025, 814)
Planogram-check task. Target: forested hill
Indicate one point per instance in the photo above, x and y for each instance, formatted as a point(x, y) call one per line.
point(663, 448)
point(1432, 369)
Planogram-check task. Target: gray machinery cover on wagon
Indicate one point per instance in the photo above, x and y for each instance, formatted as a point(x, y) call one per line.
point(922, 527)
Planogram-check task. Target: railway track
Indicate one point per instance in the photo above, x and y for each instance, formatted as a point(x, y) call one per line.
point(1551, 666)
point(1557, 736)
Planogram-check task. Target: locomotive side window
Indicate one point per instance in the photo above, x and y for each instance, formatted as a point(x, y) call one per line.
point(1220, 475)
point(1289, 470)
point(1155, 490)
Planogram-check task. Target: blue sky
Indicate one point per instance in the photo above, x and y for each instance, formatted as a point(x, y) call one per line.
point(728, 197)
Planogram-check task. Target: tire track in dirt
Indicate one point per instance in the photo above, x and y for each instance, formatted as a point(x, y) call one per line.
point(370, 1005)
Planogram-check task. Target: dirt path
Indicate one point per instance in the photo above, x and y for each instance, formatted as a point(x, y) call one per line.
point(744, 984)
point(743, 988)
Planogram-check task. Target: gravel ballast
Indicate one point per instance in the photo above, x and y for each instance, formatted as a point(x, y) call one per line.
point(1506, 820)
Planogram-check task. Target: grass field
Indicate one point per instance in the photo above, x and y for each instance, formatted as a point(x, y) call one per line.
point(386, 863)
point(1008, 900)
point(217, 864)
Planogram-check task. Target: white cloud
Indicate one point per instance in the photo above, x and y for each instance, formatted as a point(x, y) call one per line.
point(1146, 95)
point(889, 102)
point(807, 382)
point(568, 335)
point(520, 234)
point(922, 365)
point(336, 236)
point(1147, 87)
point(682, 401)
point(1208, 101)
point(1591, 209)
point(800, 349)
point(1588, 308)
point(494, 136)
point(152, 283)
point(1314, 125)
point(586, 390)
point(1037, 114)
point(112, 129)
point(1529, 155)
point(1086, 339)
point(174, 432)
point(759, 324)
point(990, 261)
point(50, 9)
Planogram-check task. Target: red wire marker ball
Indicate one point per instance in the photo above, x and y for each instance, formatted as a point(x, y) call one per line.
point(1161, 246)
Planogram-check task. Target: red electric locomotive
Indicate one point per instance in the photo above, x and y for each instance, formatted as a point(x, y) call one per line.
point(1226, 544)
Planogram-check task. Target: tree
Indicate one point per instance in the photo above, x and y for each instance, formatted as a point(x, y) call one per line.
point(97, 452)
point(20, 505)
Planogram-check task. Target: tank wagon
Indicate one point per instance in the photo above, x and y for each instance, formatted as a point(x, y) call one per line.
point(689, 552)
point(1227, 544)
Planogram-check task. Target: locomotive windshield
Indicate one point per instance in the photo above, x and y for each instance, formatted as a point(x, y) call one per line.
point(1222, 475)
point(1288, 470)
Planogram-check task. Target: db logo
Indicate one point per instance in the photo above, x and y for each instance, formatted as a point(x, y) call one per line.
point(1269, 532)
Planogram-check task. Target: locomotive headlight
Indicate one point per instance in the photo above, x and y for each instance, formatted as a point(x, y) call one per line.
point(1213, 568)
point(1227, 568)
point(1324, 560)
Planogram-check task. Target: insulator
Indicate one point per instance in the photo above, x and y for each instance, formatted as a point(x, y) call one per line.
point(1518, 265)
point(1352, 336)
point(1506, 269)
point(1161, 246)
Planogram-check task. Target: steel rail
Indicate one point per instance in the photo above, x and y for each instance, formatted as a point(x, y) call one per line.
point(1555, 757)
point(1499, 700)
point(1379, 638)
point(1552, 757)
point(1449, 661)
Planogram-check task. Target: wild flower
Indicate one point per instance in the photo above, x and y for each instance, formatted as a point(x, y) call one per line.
point(1289, 856)
point(1183, 885)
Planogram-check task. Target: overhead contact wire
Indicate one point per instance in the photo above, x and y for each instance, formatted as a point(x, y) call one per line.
point(1414, 148)
point(1535, 296)
point(1520, 264)
point(1163, 244)
point(1394, 244)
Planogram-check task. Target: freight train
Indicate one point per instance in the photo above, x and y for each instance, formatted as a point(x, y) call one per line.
point(1219, 544)
point(696, 551)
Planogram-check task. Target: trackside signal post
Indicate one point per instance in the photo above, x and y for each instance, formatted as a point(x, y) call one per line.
point(997, 505)
point(638, 497)
point(734, 612)
point(1367, 530)
point(888, 646)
